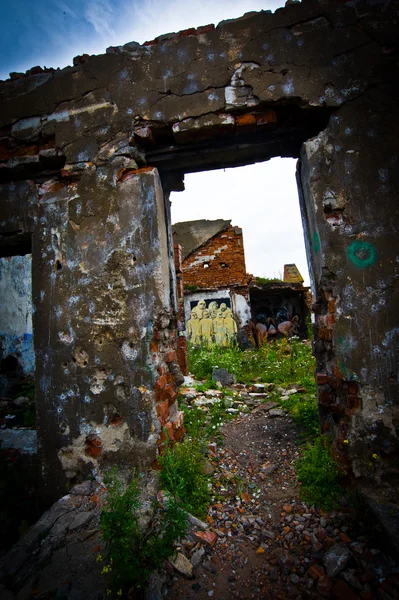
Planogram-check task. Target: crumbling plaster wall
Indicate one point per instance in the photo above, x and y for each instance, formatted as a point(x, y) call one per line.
point(350, 188)
point(16, 312)
point(72, 147)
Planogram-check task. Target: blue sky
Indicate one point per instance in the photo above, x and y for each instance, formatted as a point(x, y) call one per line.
point(51, 32)
point(265, 204)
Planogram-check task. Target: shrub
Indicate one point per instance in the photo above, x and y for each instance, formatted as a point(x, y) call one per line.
point(131, 553)
point(182, 475)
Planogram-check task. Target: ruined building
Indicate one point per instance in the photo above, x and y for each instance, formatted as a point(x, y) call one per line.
point(88, 157)
point(214, 279)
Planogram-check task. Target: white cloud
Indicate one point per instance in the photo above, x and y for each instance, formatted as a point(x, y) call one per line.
point(260, 198)
point(100, 14)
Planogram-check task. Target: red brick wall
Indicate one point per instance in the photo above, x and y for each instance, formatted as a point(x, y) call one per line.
point(227, 247)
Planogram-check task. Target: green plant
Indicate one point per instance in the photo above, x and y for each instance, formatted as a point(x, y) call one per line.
point(29, 416)
point(264, 280)
point(131, 552)
point(303, 408)
point(318, 474)
point(182, 475)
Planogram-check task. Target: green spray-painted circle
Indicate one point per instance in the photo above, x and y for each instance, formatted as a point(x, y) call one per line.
point(316, 242)
point(362, 254)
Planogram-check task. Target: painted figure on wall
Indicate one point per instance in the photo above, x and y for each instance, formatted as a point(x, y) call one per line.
point(194, 329)
point(212, 324)
point(219, 329)
point(206, 328)
point(231, 327)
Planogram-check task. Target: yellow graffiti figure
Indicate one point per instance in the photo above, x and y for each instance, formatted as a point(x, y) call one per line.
point(194, 329)
point(199, 309)
point(206, 328)
point(231, 326)
point(219, 329)
point(225, 309)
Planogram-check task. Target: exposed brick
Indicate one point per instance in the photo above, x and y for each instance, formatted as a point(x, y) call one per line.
point(93, 440)
point(205, 29)
point(187, 32)
point(270, 116)
point(226, 248)
point(331, 305)
point(353, 402)
point(321, 379)
point(170, 356)
point(160, 383)
point(163, 412)
point(316, 571)
point(343, 591)
point(325, 334)
point(353, 388)
point(93, 451)
point(169, 394)
point(247, 119)
point(325, 397)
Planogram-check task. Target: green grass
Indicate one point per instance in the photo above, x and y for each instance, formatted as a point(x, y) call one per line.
point(281, 361)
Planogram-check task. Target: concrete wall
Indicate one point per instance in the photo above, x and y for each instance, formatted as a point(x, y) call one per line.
point(349, 189)
point(73, 145)
point(16, 337)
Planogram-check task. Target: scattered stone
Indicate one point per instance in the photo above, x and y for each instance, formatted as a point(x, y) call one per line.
point(223, 377)
point(21, 400)
point(196, 523)
point(209, 537)
point(276, 412)
point(336, 559)
point(197, 556)
point(182, 565)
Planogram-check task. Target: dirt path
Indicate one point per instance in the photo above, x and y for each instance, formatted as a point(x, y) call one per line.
point(270, 544)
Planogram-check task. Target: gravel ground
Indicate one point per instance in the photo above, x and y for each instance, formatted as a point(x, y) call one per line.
point(263, 541)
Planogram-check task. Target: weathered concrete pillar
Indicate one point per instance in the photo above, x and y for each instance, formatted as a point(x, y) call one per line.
point(351, 212)
point(103, 327)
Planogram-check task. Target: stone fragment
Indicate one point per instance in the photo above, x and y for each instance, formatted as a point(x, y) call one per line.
point(223, 377)
point(21, 400)
point(209, 537)
point(336, 559)
point(197, 556)
point(197, 523)
point(276, 412)
point(83, 489)
point(284, 559)
point(182, 565)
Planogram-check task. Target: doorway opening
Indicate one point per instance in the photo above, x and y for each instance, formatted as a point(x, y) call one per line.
point(241, 242)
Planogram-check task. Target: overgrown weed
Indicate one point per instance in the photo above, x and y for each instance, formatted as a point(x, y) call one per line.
point(318, 474)
point(182, 475)
point(131, 553)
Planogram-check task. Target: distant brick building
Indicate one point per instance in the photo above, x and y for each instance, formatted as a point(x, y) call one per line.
point(213, 266)
point(212, 277)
